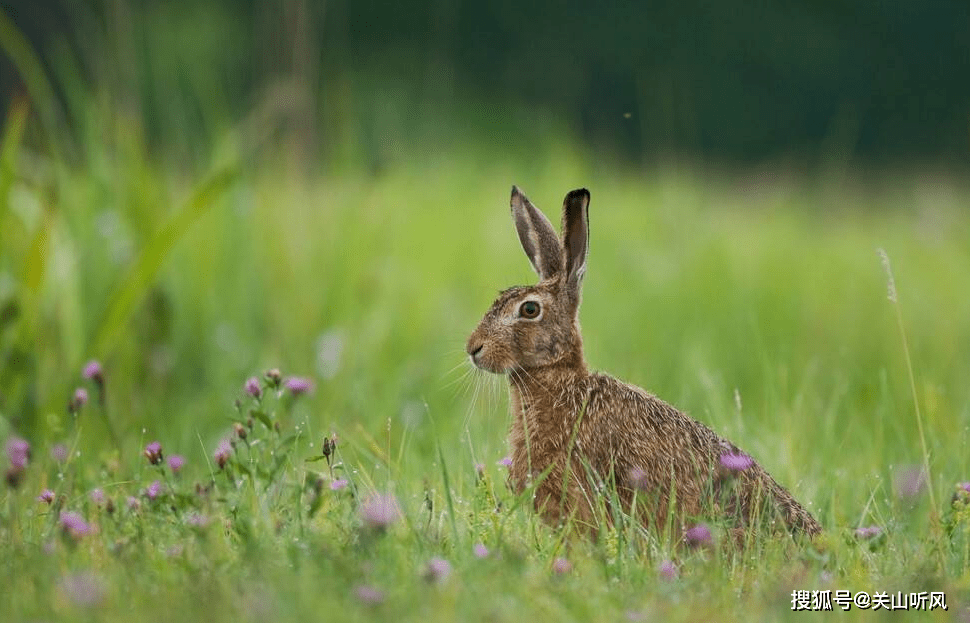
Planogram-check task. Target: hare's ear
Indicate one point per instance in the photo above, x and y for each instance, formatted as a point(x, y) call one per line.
point(537, 236)
point(575, 237)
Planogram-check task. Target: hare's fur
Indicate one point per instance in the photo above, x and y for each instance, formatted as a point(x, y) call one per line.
point(613, 432)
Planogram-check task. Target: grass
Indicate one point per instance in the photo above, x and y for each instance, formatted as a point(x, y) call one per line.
point(774, 330)
point(756, 304)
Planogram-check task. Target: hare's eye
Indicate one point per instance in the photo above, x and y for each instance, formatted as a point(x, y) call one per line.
point(529, 309)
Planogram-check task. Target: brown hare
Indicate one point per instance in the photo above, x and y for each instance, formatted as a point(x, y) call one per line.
point(614, 433)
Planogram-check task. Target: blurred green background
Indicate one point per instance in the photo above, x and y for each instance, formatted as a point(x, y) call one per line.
point(192, 192)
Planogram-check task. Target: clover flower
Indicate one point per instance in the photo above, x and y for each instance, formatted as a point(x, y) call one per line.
point(698, 536)
point(380, 511)
point(176, 462)
point(298, 385)
point(74, 525)
point(736, 462)
point(437, 571)
point(93, 371)
point(222, 453)
point(667, 570)
point(153, 452)
point(252, 387)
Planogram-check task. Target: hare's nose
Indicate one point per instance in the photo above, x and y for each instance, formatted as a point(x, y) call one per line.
point(474, 350)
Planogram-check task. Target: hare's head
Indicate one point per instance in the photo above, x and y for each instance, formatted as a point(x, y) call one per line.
point(534, 326)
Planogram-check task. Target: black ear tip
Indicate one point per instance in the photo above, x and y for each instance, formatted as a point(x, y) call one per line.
point(515, 190)
point(578, 194)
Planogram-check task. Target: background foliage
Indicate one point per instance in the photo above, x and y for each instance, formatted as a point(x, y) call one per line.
point(193, 193)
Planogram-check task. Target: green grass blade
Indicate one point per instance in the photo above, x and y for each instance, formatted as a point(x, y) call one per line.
point(17, 47)
point(451, 503)
point(144, 272)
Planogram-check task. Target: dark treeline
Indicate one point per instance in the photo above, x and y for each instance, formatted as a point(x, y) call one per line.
point(878, 80)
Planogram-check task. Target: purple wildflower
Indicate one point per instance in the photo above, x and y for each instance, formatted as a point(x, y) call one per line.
point(198, 520)
point(79, 400)
point(736, 462)
point(223, 453)
point(369, 595)
point(480, 550)
point(176, 462)
point(83, 589)
point(97, 497)
point(667, 570)
point(909, 482)
point(298, 385)
point(46, 496)
point(154, 490)
point(338, 484)
point(698, 536)
point(505, 461)
point(868, 532)
point(153, 452)
point(561, 566)
point(93, 371)
point(273, 376)
point(639, 479)
point(74, 525)
point(252, 387)
point(965, 486)
point(379, 511)
point(437, 571)
point(18, 452)
point(133, 503)
point(59, 453)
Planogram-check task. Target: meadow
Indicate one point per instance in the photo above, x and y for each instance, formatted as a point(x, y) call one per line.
point(364, 482)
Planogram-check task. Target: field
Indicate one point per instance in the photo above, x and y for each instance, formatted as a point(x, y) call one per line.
point(754, 300)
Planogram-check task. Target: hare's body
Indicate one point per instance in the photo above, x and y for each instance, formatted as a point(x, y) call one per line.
point(579, 431)
point(621, 434)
